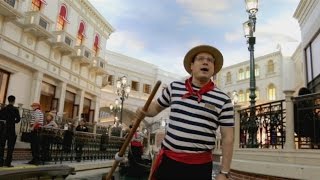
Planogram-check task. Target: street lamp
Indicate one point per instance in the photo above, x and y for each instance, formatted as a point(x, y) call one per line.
point(249, 28)
point(115, 109)
point(123, 90)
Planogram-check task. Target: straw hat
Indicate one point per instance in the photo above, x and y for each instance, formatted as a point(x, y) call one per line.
point(218, 63)
point(51, 114)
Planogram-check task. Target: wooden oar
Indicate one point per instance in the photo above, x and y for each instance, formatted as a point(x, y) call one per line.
point(133, 130)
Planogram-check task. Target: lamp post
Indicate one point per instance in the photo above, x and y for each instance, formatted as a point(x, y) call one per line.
point(115, 109)
point(123, 90)
point(249, 29)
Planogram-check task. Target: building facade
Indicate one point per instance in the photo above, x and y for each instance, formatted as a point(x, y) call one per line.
point(269, 74)
point(292, 161)
point(308, 16)
point(141, 77)
point(53, 52)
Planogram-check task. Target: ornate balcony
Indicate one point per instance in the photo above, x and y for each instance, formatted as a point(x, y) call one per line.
point(63, 42)
point(37, 24)
point(99, 65)
point(82, 54)
point(10, 9)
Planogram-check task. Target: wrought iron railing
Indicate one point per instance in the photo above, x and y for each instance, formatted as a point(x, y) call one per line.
point(58, 144)
point(307, 121)
point(265, 128)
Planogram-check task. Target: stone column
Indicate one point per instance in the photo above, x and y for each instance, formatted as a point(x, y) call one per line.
point(36, 87)
point(18, 125)
point(96, 109)
point(236, 144)
point(80, 100)
point(62, 88)
point(289, 144)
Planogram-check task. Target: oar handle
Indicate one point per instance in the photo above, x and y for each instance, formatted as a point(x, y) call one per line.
point(133, 129)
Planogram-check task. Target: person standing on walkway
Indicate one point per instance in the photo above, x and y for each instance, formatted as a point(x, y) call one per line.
point(136, 146)
point(35, 124)
point(47, 140)
point(11, 116)
point(198, 108)
point(79, 142)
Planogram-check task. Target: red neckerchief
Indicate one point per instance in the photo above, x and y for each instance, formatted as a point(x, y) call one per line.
point(204, 89)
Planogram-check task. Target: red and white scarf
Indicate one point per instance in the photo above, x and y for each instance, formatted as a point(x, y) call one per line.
point(191, 92)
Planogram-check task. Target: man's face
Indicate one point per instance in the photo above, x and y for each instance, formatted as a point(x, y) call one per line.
point(203, 66)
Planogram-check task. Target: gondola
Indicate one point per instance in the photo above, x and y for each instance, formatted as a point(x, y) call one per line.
point(135, 168)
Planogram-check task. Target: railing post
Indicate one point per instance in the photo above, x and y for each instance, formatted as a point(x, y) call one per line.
point(236, 143)
point(289, 144)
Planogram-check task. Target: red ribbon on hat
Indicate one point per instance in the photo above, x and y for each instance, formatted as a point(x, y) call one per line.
point(191, 92)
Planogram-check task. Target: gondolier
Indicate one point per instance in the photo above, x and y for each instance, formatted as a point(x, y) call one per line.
point(137, 145)
point(198, 107)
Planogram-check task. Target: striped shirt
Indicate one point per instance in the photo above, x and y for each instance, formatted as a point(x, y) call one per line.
point(37, 114)
point(192, 126)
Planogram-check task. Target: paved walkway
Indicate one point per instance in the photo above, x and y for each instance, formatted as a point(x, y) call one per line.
point(84, 170)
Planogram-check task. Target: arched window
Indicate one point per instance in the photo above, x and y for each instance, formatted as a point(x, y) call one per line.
point(247, 75)
point(62, 18)
point(270, 66)
point(241, 74)
point(271, 92)
point(37, 4)
point(96, 45)
point(81, 33)
point(241, 96)
point(257, 70)
point(228, 78)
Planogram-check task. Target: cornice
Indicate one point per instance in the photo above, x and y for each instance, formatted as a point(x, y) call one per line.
point(130, 60)
point(127, 58)
point(259, 58)
point(303, 10)
point(94, 13)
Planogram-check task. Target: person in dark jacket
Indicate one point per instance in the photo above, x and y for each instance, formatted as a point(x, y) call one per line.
point(11, 116)
point(79, 142)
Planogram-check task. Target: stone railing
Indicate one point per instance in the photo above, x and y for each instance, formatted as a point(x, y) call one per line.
point(288, 157)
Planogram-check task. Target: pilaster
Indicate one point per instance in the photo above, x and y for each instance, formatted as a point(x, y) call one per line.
point(36, 87)
point(289, 144)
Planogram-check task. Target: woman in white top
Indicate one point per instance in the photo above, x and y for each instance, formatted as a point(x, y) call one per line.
point(50, 121)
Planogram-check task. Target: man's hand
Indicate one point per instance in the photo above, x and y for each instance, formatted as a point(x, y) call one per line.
point(140, 112)
point(118, 158)
point(221, 177)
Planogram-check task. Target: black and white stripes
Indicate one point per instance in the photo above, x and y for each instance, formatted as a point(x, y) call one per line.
point(192, 125)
